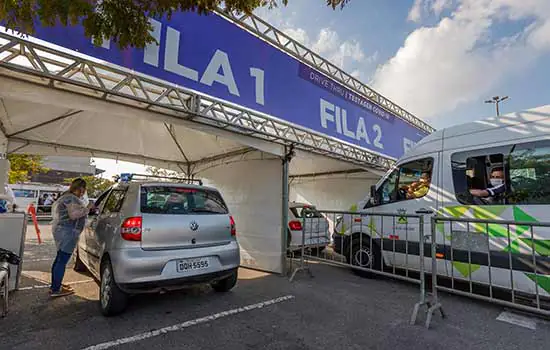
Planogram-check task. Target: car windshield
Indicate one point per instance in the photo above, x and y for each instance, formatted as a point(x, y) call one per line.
point(181, 200)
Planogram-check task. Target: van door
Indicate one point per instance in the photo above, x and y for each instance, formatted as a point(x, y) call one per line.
point(409, 188)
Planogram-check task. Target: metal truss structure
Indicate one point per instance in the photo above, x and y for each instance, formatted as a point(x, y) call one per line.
point(54, 68)
point(61, 69)
point(283, 42)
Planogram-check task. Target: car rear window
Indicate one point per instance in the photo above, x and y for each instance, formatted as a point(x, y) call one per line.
point(309, 211)
point(180, 201)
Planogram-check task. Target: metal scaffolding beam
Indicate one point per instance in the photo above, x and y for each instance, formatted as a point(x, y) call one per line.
point(47, 66)
point(285, 43)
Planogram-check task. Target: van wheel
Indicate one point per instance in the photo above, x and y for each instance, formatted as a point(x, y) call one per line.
point(362, 255)
point(226, 284)
point(112, 300)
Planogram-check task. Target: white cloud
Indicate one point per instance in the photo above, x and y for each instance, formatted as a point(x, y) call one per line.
point(415, 14)
point(458, 61)
point(422, 7)
point(346, 54)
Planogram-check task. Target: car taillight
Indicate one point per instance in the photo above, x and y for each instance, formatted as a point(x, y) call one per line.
point(233, 226)
point(131, 229)
point(295, 226)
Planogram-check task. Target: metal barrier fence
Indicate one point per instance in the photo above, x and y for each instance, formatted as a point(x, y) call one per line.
point(499, 261)
point(356, 240)
point(390, 245)
point(44, 210)
point(4, 285)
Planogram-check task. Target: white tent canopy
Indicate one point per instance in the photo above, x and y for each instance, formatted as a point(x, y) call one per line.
point(56, 102)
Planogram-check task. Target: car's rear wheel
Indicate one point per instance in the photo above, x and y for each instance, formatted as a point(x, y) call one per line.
point(112, 299)
point(226, 284)
point(78, 264)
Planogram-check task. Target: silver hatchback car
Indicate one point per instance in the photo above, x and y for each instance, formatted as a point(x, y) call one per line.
point(147, 237)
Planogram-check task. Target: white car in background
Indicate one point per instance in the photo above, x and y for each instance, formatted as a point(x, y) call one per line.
point(314, 225)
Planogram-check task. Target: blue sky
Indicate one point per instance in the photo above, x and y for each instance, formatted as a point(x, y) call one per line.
point(439, 59)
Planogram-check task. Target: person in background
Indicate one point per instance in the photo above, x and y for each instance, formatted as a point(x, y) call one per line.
point(497, 189)
point(69, 216)
point(49, 200)
point(7, 200)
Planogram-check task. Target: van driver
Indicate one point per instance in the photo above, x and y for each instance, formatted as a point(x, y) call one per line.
point(419, 188)
point(497, 188)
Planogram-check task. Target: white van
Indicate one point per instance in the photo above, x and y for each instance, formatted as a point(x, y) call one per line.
point(466, 163)
point(36, 193)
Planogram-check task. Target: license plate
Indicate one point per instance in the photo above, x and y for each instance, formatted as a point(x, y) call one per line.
point(192, 264)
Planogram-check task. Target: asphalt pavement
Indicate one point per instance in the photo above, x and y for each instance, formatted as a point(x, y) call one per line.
point(333, 310)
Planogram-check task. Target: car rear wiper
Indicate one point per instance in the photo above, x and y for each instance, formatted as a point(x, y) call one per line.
point(204, 210)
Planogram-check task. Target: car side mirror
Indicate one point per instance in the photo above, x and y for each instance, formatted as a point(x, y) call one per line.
point(94, 212)
point(373, 195)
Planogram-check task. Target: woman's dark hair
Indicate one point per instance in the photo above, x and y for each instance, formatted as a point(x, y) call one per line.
point(77, 184)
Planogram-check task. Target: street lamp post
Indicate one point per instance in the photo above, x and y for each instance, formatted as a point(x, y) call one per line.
point(496, 100)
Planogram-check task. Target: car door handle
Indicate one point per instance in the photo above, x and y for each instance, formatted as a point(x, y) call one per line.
point(424, 211)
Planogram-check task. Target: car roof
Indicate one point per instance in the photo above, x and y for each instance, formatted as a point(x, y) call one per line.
point(167, 184)
point(299, 205)
point(523, 124)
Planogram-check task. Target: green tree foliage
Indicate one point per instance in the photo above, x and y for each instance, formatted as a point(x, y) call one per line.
point(163, 172)
point(95, 185)
point(124, 21)
point(22, 166)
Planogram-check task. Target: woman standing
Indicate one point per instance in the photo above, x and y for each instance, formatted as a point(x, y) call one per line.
point(69, 217)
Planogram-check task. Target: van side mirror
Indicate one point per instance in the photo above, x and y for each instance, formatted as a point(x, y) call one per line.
point(373, 195)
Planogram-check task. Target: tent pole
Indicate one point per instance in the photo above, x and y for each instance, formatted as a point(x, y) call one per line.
point(4, 162)
point(289, 153)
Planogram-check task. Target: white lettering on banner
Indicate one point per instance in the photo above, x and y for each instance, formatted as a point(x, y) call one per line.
point(258, 74)
point(339, 118)
point(220, 60)
point(219, 68)
point(378, 130)
point(171, 56)
point(362, 131)
point(345, 125)
point(152, 50)
point(326, 107)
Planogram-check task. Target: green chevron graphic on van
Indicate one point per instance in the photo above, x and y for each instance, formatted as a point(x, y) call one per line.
point(464, 269)
point(520, 236)
point(542, 281)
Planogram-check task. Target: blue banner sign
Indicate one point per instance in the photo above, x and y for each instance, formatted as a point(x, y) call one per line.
point(214, 56)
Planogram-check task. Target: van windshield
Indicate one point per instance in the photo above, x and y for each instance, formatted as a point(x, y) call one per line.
point(180, 200)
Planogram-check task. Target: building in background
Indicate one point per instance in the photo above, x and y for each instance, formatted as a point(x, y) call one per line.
point(62, 168)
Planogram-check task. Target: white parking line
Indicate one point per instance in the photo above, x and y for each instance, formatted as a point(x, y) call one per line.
point(40, 286)
point(187, 324)
point(517, 320)
point(35, 260)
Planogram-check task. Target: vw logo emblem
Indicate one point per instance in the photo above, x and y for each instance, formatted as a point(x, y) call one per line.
point(194, 226)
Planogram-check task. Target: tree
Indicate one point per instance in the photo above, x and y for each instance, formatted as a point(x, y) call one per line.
point(126, 22)
point(163, 172)
point(22, 166)
point(95, 185)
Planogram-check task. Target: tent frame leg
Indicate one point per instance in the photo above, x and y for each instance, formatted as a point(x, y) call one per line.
point(289, 154)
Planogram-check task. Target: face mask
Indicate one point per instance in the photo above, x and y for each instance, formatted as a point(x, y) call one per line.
point(496, 182)
point(84, 199)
